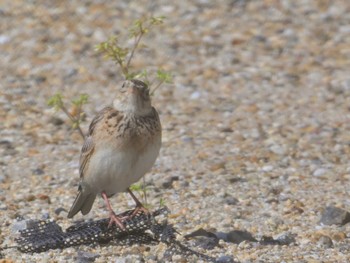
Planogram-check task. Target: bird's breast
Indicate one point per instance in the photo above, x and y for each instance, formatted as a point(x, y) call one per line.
point(114, 167)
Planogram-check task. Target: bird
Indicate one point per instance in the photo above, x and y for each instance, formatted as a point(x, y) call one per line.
point(121, 146)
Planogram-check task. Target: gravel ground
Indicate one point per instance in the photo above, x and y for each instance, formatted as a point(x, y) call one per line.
point(255, 127)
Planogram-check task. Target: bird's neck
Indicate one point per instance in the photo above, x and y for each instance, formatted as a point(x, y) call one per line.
point(131, 109)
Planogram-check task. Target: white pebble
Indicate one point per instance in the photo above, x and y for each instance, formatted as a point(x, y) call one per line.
point(319, 172)
point(267, 168)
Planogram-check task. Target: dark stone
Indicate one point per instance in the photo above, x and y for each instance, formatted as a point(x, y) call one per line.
point(206, 243)
point(59, 210)
point(238, 236)
point(86, 257)
point(230, 200)
point(334, 216)
point(204, 239)
point(200, 232)
point(226, 129)
point(38, 171)
point(325, 242)
point(56, 121)
point(6, 144)
point(286, 238)
point(225, 259)
point(169, 182)
point(283, 240)
point(71, 72)
point(260, 38)
point(236, 180)
point(40, 79)
point(221, 235)
point(268, 240)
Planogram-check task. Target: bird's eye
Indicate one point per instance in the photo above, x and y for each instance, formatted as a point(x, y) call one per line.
point(123, 87)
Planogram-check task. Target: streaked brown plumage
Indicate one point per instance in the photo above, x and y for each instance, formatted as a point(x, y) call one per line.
point(122, 144)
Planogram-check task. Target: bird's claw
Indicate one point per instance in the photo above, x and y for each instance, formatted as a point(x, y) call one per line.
point(114, 219)
point(140, 208)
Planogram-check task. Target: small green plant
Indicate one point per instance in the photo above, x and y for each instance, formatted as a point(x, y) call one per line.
point(162, 202)
point(76, 114)
point(122, 56)
point(142, 189)
point(162, 77)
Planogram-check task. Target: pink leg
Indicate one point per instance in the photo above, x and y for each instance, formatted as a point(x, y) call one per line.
point(113, 217)
point(139, 205)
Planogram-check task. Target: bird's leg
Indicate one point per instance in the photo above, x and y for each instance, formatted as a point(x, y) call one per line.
point(139, 206)
point(113, 217)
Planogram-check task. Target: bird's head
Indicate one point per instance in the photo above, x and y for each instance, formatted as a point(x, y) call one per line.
point(133, 97)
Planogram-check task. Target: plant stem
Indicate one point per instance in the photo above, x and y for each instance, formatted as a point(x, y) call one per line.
point(122, 66)
point(156, 87)
point(144, 189)
point(136, 43)
point(74, 120)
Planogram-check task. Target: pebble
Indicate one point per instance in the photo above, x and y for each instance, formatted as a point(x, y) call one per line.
point(195, 95)
point(230, 200)
point(286, 238)
point(56, 121)
point(267, 168)
point(325, 242)
point(2, 178)
point(319, 172)
point(334, 216)
point(38, 171)
point(238, 236)
point(225, 259)
point(277, 149)
point(86, 257)
point(4, 39)
point(169, 182)
point(20, 225)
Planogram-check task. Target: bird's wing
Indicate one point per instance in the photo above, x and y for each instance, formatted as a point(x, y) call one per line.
point(85, 155)
point(89, 144)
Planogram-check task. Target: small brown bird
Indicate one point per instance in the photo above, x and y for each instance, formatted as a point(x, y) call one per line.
point(122, 145)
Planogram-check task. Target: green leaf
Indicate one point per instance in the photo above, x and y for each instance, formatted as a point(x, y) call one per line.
point(75, 125)
point(164, 76)
point(157, 20)
point(138, 23)
point(123, 56)
point(111, 49)
point(141, 75)
point(55, 101)
point(161, 202)
point(131, 75)
point(136, 29)
point(83, 99)
point(136, 187)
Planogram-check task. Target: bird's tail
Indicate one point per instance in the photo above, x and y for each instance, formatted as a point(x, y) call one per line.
point(83, 202)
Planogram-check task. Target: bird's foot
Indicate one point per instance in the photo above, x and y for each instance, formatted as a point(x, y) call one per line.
point(140, 208)
point(118, 221)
